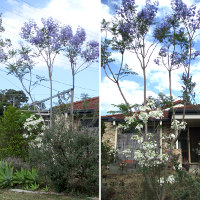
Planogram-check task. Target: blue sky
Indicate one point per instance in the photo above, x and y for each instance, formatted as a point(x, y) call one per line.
point(84, 13)
point(157, 76)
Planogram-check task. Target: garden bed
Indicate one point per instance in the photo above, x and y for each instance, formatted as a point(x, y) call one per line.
point(122, 186)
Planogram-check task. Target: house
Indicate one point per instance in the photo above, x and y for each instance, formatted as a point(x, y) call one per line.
point(186, 144)
point(86, 112)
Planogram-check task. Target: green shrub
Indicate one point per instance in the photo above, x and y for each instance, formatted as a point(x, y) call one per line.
point(12, 143)
point(187, 187)
point(69, 158)
point(6, 174)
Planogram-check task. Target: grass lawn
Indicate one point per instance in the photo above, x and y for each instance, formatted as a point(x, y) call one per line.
point(8, 195)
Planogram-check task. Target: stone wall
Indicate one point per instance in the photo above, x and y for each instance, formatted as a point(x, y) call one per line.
point(109, 135)
point(178, 152)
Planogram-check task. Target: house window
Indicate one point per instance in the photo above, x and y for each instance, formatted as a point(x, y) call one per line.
point(89, 122)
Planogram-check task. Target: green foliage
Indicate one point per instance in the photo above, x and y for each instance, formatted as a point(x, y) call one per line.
point(12, 142)
point(6, 174)
point(69, 158)
point(12, 97)
point(32, 176)
point(123, 109)
point(163, 101)
point(45, 189)
point(84, 96)
point(186, 187)
point(188, 87)
point(34, 186)
point(26, 177)
point(20, 177)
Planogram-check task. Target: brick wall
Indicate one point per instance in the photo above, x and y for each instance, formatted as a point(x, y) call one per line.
point(109, 135)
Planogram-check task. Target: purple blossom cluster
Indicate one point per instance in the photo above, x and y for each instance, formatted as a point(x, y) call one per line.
point(188, 15)
point(125, 29)
point(49, 35)
point(27, 30)
point(2, 55)
point(163, 51)
point(126, 6)
point(181, 9)
point(91, 52)
point(176, 59)
point(66, 34)
point(25, 57)
point(195, 54)
point(148, 13)
point(79, 38)
point(55, 38)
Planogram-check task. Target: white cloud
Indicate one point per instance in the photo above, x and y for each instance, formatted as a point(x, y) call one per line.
point(110, 94)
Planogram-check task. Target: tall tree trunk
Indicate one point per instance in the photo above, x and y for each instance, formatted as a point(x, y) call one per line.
point(51, 100)
point(145, 103)
point(120, 90)
point(72, 97)
point(170, 84)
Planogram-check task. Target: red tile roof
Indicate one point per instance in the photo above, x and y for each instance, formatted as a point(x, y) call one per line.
point(87, 104)
point(165, 112)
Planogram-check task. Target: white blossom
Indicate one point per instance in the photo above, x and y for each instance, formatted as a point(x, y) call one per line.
point(143, 116)
point(176, 125)
point(169, 180)
point(157, 114)
point(139, 127)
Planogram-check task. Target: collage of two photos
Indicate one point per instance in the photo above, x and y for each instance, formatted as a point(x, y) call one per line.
point(99, 99)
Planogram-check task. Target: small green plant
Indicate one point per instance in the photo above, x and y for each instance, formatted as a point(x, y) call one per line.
point(25, 177)
point(45, 189)
point(32, 176)
point(20, 177)
point(26, 187)
point(6, 174)
point(34, 186)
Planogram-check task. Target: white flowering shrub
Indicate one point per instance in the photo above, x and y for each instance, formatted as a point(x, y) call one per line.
point(148, 154)
point(177, 125)
point(153, 164)
point(34, 127)
point(139, 119)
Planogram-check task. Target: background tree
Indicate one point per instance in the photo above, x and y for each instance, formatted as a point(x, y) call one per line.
point(84, 96)
point(12, 97)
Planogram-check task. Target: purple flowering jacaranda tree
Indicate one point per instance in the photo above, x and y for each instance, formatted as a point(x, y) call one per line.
point(80, 54)
point(189, 18)
point(48, 41)
point(134, 26)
